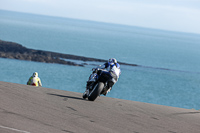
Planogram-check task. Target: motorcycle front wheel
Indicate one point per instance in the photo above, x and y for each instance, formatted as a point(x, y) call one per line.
point(96, 91)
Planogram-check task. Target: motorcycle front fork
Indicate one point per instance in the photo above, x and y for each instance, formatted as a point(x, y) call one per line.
point(88, 88)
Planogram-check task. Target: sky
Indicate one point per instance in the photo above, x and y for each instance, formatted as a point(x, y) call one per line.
point(172, 15)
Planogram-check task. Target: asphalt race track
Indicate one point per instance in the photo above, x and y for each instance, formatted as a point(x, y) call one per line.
point(27, 109)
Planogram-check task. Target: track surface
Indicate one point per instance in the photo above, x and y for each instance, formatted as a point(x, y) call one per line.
point(27, 109)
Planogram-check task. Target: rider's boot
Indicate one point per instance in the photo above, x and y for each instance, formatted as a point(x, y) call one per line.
point(106, 91)
point(108, 88)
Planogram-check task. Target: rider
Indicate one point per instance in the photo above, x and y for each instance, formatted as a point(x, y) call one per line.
point(113, 69)
point(34, 80)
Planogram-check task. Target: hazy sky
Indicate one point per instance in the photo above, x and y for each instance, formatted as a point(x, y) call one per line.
point(175, 15)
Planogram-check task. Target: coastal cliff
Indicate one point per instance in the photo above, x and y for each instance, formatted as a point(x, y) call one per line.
point(14, 50)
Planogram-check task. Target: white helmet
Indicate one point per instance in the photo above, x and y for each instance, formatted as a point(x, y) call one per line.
point(112, 60)
point(35, 74)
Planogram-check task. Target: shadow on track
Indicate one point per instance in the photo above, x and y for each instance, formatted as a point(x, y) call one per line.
point(65, 97)
point(186, 113)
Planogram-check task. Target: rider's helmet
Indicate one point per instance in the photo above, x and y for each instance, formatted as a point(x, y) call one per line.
point(112, 60)
point(35, 74)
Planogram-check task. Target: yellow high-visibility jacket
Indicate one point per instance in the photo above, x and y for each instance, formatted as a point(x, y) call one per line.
point(35, 81)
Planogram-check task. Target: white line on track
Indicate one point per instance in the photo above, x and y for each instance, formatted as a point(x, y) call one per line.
point(21, 131)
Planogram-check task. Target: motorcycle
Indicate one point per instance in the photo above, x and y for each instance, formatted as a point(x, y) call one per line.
point(97, 84)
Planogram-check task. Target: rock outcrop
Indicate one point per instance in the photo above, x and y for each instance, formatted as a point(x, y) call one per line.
point(14, 50)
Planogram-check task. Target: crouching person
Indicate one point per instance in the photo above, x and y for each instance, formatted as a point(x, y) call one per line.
point(34, 80)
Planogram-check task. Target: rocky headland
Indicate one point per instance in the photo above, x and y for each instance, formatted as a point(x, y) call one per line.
point(14, 50)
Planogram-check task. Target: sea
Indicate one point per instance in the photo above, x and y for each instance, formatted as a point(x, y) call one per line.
point(168, 71)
